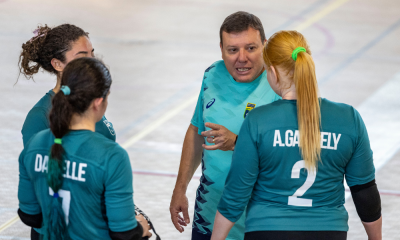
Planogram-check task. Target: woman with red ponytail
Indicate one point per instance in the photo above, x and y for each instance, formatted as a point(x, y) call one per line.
point(291, 157)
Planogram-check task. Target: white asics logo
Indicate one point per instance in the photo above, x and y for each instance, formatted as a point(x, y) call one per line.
point(110, 127)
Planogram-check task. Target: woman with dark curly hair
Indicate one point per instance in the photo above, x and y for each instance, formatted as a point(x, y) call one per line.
point(52, 49)
point(74, 182)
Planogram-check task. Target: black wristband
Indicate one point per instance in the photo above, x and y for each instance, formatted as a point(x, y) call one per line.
point(134, 234)
point(236, 139)
point(34, 221)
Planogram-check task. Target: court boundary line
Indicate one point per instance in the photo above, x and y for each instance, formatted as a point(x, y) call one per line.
point(295, 18)
point(152, 126)
point(14, 238)
point(321, 14)
point(159, 108)
point(360, 52)
point(9, 223)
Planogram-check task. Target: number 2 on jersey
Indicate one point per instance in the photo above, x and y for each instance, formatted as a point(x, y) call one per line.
point(66, 199)
point(294, 200)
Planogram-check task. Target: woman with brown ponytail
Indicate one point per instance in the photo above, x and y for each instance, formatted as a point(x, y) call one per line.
point(291, 157)
point(51, 49)
point(82, 188)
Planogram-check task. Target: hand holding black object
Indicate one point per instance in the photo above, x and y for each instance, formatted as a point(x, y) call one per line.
point(140, 212)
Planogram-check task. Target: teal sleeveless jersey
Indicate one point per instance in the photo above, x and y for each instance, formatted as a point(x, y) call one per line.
point(97, 189)
point(223, 101)
point(38, 120)
point(268, 174)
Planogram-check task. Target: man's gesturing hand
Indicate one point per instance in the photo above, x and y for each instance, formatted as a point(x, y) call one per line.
point(220, 136)
point(179, 203)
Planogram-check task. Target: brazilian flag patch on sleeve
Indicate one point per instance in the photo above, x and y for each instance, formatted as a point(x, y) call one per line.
point(249, 107)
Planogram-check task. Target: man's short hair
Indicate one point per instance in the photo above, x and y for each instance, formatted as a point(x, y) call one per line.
point(241, 21)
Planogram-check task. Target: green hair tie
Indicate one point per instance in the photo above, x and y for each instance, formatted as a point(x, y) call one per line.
point(57, 141)
point(296, 51)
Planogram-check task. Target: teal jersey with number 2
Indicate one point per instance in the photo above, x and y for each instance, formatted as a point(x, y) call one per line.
point(268, 174)
point(226, 102)
point(97, 192)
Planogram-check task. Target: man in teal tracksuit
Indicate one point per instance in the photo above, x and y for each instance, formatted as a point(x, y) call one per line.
point(230, 90)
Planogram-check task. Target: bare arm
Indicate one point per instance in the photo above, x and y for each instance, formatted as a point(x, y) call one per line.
point(222, 226)
point(374, 229)
point(190, 158)
point(190, 161)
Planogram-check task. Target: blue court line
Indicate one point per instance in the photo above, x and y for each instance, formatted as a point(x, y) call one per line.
point(296, 17)
point(149, 150)
point(160, 107)
point(6, 209)
point(359, 53)
point(14, 238)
